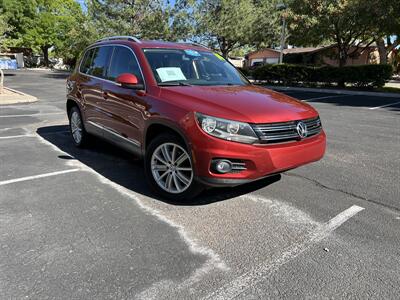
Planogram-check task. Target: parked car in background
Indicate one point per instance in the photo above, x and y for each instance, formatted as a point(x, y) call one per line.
point(189, 113)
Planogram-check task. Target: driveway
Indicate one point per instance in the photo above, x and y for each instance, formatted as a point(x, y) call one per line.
point(82, 224)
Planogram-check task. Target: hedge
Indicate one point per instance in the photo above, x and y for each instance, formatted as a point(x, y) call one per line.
point(360, 76)
point(245, 71)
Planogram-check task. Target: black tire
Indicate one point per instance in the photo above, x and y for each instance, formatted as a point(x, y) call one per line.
point(192, 189)
point(83, 141)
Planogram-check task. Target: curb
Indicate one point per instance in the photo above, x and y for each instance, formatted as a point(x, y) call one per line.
point(333, 91)
point(19, 98)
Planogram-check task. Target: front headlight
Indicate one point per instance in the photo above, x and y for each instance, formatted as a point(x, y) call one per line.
point(227, 129)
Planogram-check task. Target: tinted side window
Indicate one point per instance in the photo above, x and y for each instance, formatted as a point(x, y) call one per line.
point(123, 61)
point(86, 62)
point(100, 60)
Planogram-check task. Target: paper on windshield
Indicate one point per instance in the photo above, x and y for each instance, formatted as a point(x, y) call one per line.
point(170, 74)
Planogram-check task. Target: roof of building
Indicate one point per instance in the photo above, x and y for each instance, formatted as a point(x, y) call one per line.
point(302, 50)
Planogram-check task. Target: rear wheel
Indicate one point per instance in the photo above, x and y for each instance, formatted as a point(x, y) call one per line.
point(79, 135)
point(169, 169)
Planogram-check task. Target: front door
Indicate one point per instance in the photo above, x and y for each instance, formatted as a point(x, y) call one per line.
point(125, 108)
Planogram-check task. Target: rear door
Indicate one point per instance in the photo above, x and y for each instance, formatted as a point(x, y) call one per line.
point(125, 107)
point(85, 82)
point(93, 72)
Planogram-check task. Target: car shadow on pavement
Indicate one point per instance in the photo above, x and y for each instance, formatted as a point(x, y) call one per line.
point(127, 170)
point(57, 75)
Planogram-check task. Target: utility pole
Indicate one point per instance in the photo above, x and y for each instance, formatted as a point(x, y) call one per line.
point(281, 7)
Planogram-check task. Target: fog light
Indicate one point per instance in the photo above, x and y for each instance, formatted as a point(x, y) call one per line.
point(223, 166)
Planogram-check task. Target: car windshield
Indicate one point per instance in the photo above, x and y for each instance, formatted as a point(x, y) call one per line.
point(191, 67)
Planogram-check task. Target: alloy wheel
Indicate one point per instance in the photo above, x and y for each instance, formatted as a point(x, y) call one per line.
point(76, 127)
point(171, 168)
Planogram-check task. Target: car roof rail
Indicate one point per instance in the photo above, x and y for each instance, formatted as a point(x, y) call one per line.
point(120, 37)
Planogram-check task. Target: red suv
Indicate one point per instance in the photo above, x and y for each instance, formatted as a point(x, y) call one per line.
point(189, 113)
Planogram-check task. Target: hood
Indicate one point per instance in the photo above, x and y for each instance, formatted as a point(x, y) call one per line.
point(249, 103)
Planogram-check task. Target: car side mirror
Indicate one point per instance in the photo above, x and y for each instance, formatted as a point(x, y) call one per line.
point(130, 81)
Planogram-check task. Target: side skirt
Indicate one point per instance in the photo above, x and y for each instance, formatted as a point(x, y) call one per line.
point(113, 137)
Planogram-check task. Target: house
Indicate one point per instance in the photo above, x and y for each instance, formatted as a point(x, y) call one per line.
point(238, 62)
point(313, 55)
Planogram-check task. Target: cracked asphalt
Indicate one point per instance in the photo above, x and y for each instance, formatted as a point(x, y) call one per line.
point(82, 224)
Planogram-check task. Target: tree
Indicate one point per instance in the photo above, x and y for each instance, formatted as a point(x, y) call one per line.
point(384, 16)
point(224, 24)
point(40, 24)
point(149, 19)
point(76, 40)
point(52, 22)
point(228, 25)
point(343, 22)
point(19, 15)
point(4, 28)
point(266, 29)
point(183, 24)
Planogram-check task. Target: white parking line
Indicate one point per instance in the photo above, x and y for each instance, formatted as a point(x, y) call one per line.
point(242, 283)
point(213, 261)
point(15, 136)
point(32, 115)
point(386, 105)
point(37, 176)
point(326, 97)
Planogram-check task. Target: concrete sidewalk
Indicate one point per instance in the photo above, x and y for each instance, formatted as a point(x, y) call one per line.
point(11, 96)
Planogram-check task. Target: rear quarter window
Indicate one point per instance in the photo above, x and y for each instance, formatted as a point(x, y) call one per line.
point(86, 62)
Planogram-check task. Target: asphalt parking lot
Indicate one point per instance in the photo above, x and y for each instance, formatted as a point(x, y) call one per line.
point(82, 224)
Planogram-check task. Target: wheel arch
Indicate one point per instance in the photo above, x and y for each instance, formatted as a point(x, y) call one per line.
point(158, 127)
point(71, 103)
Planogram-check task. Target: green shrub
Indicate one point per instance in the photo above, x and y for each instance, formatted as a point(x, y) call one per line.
point(245, 71)
point(361, 76)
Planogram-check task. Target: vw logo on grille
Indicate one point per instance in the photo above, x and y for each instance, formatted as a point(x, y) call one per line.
point(301, 129)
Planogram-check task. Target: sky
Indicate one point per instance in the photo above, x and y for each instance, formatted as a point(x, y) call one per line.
point(82, 3)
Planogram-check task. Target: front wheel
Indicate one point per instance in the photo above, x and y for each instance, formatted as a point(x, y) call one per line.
point(169, 169)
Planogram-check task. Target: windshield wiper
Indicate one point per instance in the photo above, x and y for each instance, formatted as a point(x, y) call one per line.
point(175, 83)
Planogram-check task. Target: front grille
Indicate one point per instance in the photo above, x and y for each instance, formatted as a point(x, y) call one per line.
point(286, 131)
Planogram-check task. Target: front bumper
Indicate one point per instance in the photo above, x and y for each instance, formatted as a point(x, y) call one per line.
point(261, 160)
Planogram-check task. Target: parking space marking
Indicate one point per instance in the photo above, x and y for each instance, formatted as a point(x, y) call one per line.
point(386, 105)
point(214, 261)
point(15, 136)
point(5, 182)
point(32, 115)
point(245, 281)
point(326, 97)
